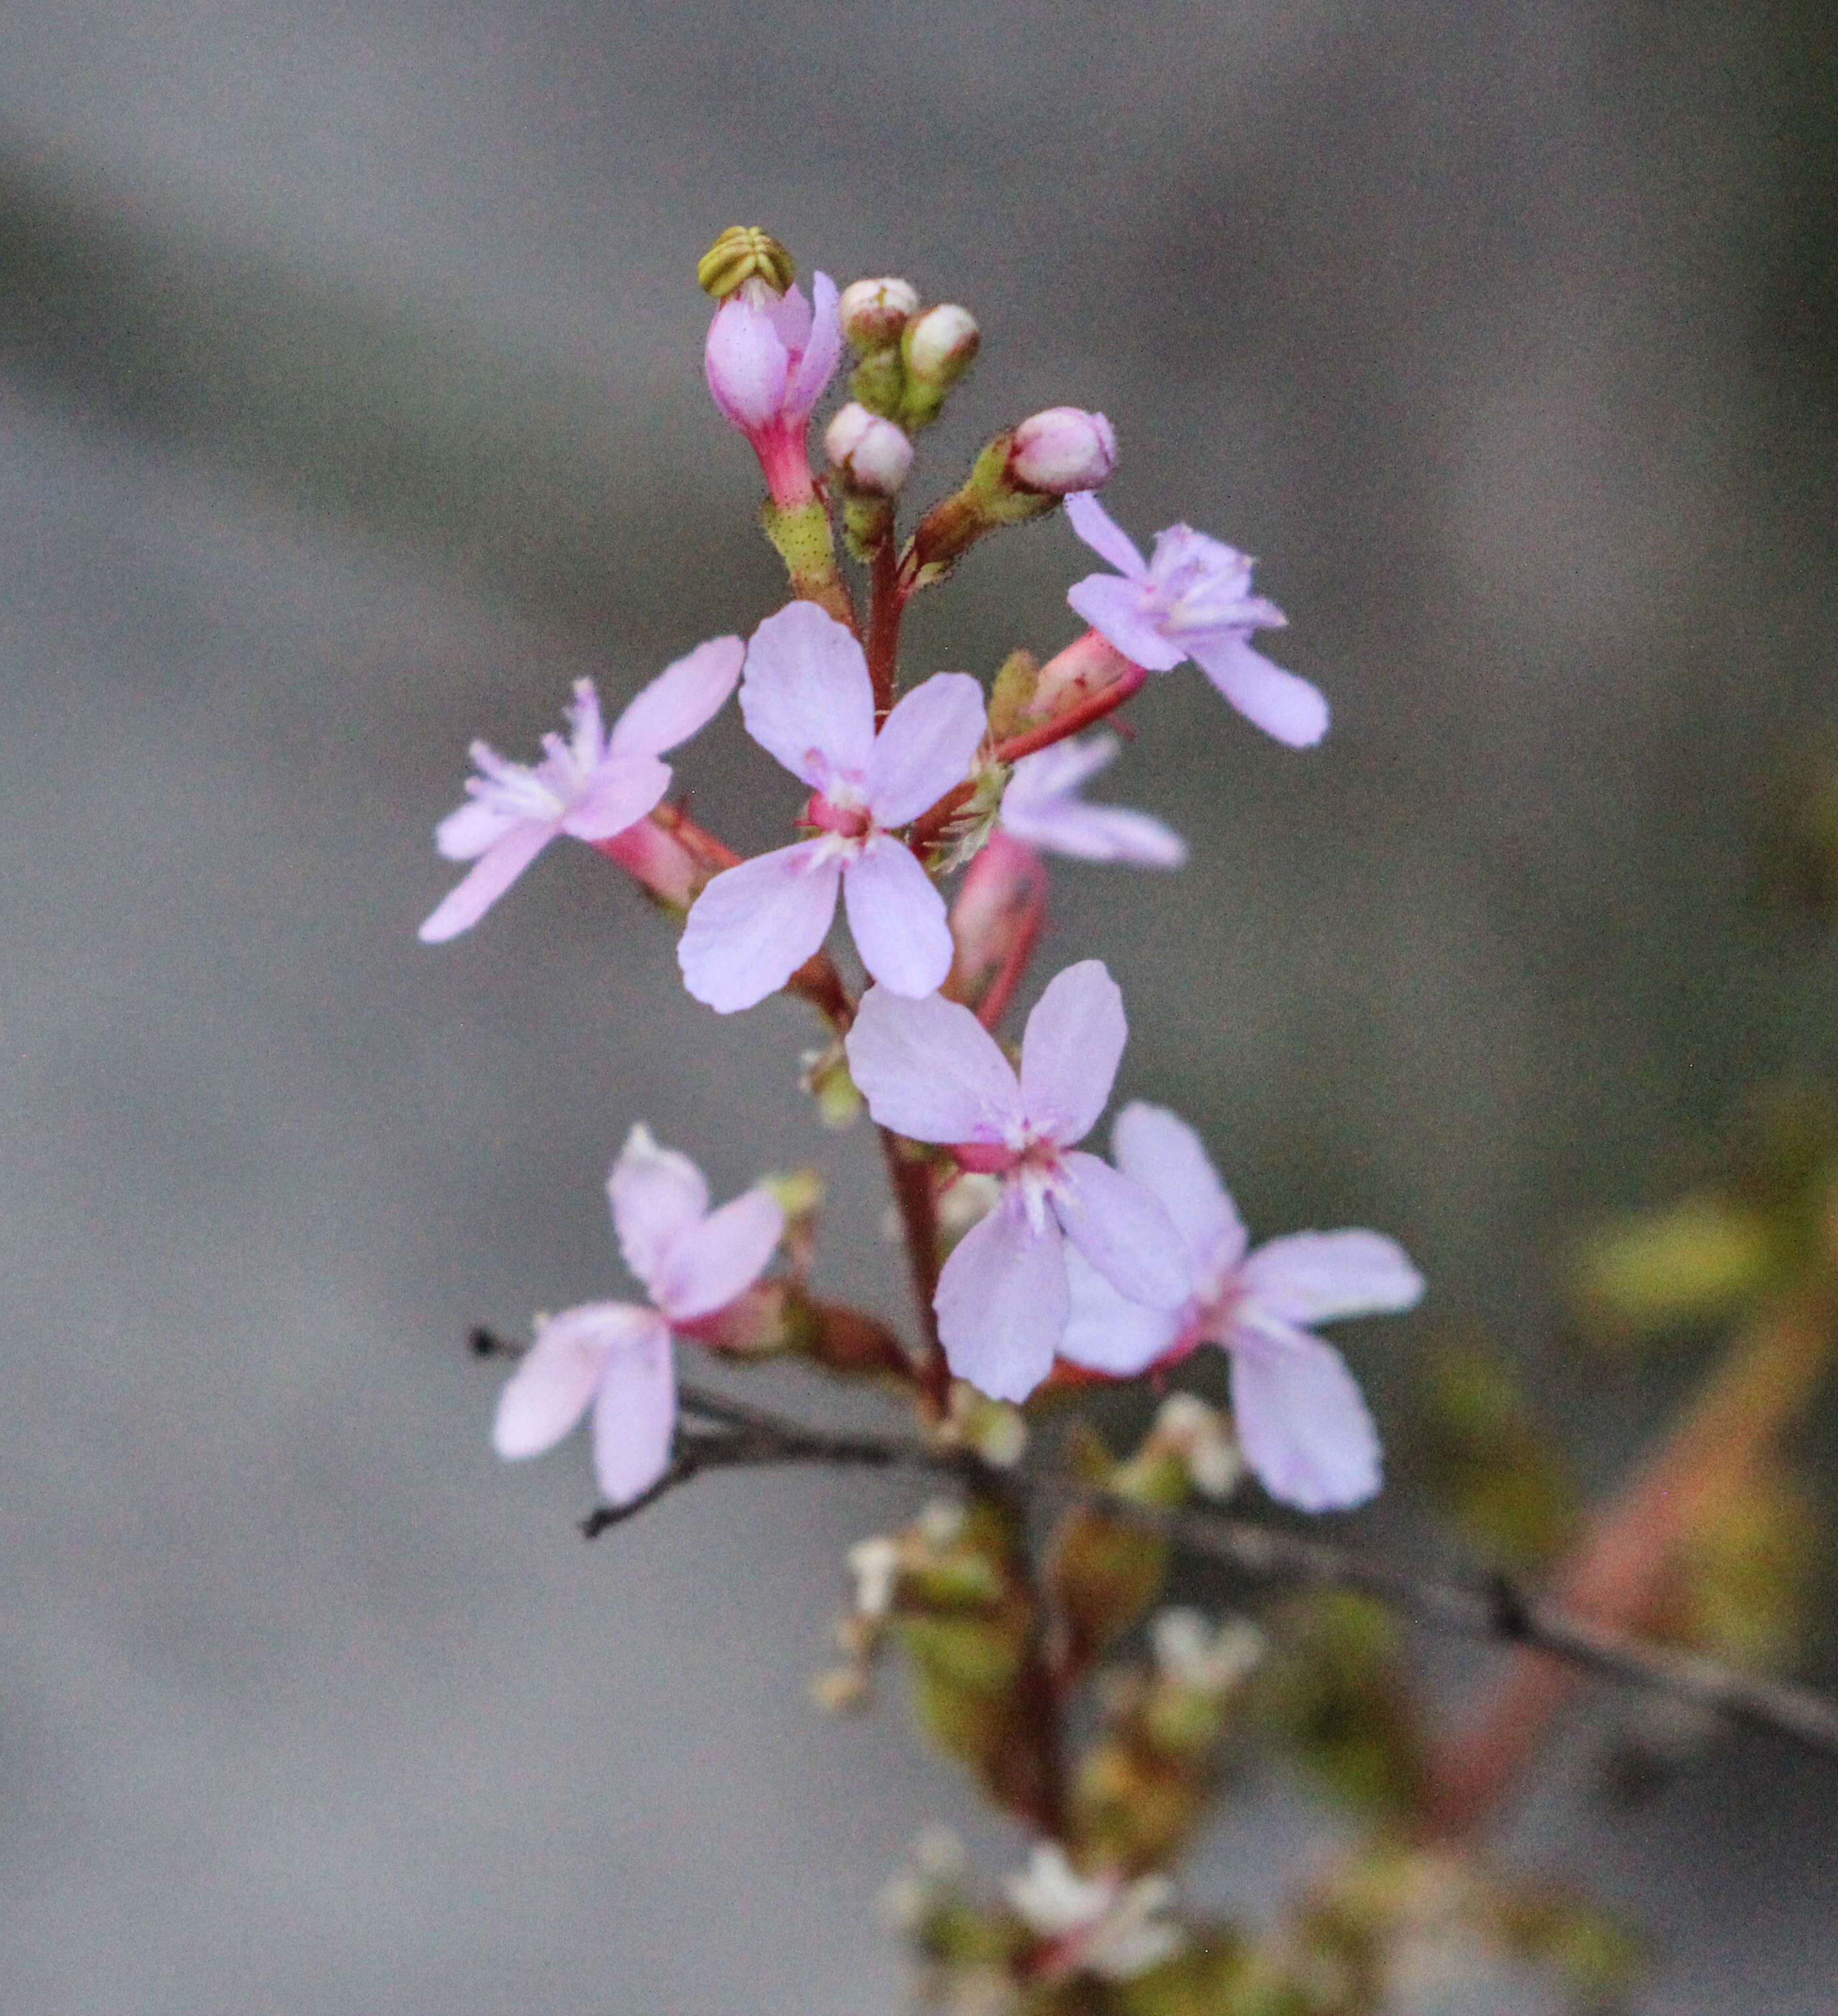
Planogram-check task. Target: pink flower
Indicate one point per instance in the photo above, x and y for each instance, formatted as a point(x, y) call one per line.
point(929, 1070)
point(768, 359)
point(592, 786)
point(616, 1356)
point(1041, 806)
point(1193, 600)
point(807, 699)
point(1302, 1427)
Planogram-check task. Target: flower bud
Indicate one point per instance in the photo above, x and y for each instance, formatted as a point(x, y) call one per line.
point(940, 347)
point(1062, 450)
point(872, 455)
point(875, 313)
point(744, 252)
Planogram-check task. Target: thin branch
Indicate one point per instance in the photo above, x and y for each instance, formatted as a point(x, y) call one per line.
point(1494, 1612)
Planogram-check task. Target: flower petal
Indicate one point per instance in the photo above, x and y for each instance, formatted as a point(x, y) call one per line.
point(806, 698)
point(1312, 1277)
point(635, 1414)
point(751, 928)
point(1061, 767)
point(1071, 1050)
point(464, 835)
point(897, 917)
point(1276, 701)
point(1118, 609)
point(1122, 1230)
point(657, 1195)
point(746, 364)
point(558, 1375)
point(822, 350)
point(1096, 832)
point(1106, 1332)
point(720, 1257)
point(1104, 535)
point(926, 747)
point(618, 795)
point(492, 873)
point(930, 1071)
point(683, 699)
point(1002, 1302)
point(1162, 1153)
point(1301, 1422)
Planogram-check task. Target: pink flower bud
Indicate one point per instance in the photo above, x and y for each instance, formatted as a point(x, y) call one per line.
point(1062, 450)
point(872, 454)
point(941, 345)
point(875, 312)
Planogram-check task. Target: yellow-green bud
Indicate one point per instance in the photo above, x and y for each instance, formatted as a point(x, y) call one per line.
point(744, 252)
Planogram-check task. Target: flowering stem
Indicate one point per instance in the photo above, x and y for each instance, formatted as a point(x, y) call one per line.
point(1618, 1571)
point(1493, 1612)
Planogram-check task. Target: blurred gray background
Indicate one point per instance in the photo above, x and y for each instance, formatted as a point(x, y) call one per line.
point(350, 403)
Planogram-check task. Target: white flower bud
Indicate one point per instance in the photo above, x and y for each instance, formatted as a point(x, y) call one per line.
point(940, 347)
point(939, 1522)
point(1194, 1655)
point(1205, 1440)
point(874, 313)
point(873, 454)
point(1062, 450)
point(875, 1563)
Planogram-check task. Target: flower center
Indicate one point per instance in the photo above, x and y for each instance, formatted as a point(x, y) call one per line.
point(847, 822)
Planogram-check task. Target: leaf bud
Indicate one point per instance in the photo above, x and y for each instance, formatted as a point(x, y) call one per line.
point(1062, 450)
point(875, 313)
point(744, 252)
point(870, 454)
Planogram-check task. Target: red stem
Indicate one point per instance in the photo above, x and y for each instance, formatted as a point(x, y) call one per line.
point(886, 606)
point(916, 1198)
point(1106, 701)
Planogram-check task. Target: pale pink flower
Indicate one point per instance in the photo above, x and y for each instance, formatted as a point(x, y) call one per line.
point(616, 1356)
point(1301, 1423)
point(768, 359)
point(1042, 806)
point(1192, 600)
point(807, 699)
point(591, 786)
point(930, 1071)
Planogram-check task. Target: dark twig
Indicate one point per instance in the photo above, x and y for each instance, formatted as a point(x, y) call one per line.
point(1494, 1612)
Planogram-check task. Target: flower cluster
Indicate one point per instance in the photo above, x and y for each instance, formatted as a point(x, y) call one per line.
point(1118, 1268)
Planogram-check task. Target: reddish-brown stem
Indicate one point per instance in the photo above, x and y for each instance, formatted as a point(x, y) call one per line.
point(1013, 969)
point(1095, 676)
point(916, 1196)
point(1093, 707)
point(886, 606)
point(1617, 1573)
